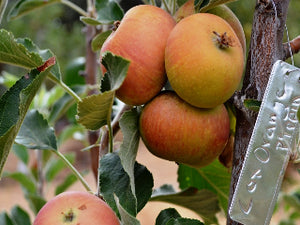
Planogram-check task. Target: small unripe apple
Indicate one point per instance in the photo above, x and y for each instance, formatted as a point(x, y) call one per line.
point(222, 11)
point(174, 130)
point(75, 207)
point(204, 60)
point(141, 38)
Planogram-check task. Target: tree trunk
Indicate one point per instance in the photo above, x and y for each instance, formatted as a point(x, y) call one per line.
point(266, 47)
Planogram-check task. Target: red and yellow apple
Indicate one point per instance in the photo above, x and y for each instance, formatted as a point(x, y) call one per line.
point(141, 38)
point(177, 131)
point(74, 208)
point(204, 60)
point(222, 11)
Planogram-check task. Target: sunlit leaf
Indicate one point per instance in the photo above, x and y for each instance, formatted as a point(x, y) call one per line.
point(214, 177)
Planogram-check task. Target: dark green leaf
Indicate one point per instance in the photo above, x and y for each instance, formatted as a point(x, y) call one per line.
point(113, 180)
point(23, 7)
point(35, 133)
point(184, 221)
point(252, 104)
point(129, 147)
point(36, 202)
point(5, 219)
point(72, 74)
point(214, 177)
point(298, 114)
point(99, 40)
point(165, 215)
point(126, 218)
point(171, 217)
point(108, 11)
point(19, 216)
point(26, 182)
point(68, 181)
point(21, 152)
point(90, 21)
point(203, 202)
point(55, 165)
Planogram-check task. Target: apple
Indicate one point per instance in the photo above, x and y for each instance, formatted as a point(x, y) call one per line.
point(204, 60)
point(174, 130)
point(141, 37)
point(222, 11)
point(74, 208)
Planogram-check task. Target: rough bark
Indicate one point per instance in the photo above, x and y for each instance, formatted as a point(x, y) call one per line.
point(266, 46)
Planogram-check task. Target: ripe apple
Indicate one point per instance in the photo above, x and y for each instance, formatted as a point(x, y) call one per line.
point(204, 60)
point(141, 38)
point(74, 208)
point(222, 11)
point(174, 130)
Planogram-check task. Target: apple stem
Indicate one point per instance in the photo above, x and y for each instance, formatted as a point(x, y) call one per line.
point(223, 40)
point(74, 170)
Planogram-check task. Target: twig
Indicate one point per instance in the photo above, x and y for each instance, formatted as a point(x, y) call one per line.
point(295, 47)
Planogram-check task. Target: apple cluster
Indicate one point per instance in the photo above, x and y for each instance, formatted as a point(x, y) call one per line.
point(202, 57)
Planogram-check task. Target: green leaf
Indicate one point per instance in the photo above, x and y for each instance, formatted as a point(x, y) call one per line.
point(63, 104)
point(171, 217)
point(98, 41)
point(26, 182)
point(20, 216)
point(214, 177)
point(36, 202)
point(209, 4)
point(116, 67)
point(108, 11)
point(114, 181)
point(165, 215)
point(21, 152)
point(24, 53)
point(23, 7)
point(35, 133)
point(55, 165)
point(95, 111)
point(298, 114)
point(129, 147)
point(14, 105)
point(5, 219)
point(252, 104)
point(184, 221)
point(203, 202)
point(67, 182)
point(126, 218)
point(3, 4)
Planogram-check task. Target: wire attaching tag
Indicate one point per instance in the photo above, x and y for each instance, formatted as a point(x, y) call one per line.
point(274, 139)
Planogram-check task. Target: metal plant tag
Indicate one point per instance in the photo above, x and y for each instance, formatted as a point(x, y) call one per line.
point(274, 139)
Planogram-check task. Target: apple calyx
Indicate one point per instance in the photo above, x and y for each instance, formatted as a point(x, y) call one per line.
point(69, 217)
point(116, 25)
point(223, 40)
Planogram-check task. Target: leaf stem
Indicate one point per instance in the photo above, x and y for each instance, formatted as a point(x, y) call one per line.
point(152, 2)
point(74, 170)
point(65, 87)
point(166, 6)
point(75, 7)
